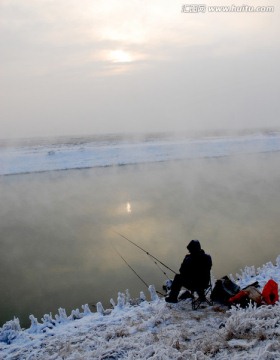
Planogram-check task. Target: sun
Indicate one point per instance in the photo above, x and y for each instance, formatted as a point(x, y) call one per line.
point(120, 56)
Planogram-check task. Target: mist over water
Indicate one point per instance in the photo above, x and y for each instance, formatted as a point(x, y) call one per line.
point(57, 229)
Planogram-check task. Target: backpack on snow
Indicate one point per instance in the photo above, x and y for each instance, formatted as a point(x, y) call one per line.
point(223, 290)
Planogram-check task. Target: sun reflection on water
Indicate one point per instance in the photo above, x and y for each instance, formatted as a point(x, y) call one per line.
point(128, 207)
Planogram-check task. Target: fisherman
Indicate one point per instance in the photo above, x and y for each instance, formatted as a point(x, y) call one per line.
point(194, 274)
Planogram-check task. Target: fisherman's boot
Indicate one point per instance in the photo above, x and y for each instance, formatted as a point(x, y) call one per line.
point(175, 288)
point(171, 299)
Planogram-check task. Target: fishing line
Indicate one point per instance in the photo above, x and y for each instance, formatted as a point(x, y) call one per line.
point(147, 253)
point(157, 265)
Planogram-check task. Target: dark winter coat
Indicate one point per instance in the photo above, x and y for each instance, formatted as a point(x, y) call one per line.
point(195, 270)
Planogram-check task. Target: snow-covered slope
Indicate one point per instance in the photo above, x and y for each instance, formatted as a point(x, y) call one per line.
point(152, 329)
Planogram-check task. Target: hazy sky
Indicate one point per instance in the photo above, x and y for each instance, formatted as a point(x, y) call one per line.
point(98, 66)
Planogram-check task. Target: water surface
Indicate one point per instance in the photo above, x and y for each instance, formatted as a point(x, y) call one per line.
point(58, 235)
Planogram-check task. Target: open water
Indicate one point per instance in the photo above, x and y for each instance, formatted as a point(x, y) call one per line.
point(57, 228)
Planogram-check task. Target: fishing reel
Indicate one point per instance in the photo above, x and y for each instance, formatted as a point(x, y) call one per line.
point(167, 286)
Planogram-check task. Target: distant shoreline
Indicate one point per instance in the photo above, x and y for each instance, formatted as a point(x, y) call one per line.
point(100, 153)
point(136, 164)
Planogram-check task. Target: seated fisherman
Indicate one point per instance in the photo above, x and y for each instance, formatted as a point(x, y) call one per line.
point(194, 273)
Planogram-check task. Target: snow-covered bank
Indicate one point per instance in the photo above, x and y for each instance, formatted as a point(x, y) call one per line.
point(153, 330)
point(83, 153)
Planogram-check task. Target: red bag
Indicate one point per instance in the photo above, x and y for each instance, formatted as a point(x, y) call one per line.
point(238, 297)
point(270, 292)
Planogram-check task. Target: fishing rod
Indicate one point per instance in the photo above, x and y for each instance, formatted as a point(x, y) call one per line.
point(157, 265)
point(147, 253)
point(131, 268)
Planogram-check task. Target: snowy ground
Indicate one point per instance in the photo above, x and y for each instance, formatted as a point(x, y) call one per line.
point(153, 330)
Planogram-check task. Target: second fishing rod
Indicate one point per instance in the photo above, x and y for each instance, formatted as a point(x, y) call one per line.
point(139, 277)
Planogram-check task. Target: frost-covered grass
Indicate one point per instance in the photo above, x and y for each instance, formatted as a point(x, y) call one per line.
point(152, 329)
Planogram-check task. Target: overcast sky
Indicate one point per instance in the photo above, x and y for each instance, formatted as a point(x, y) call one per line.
point(70, 67)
